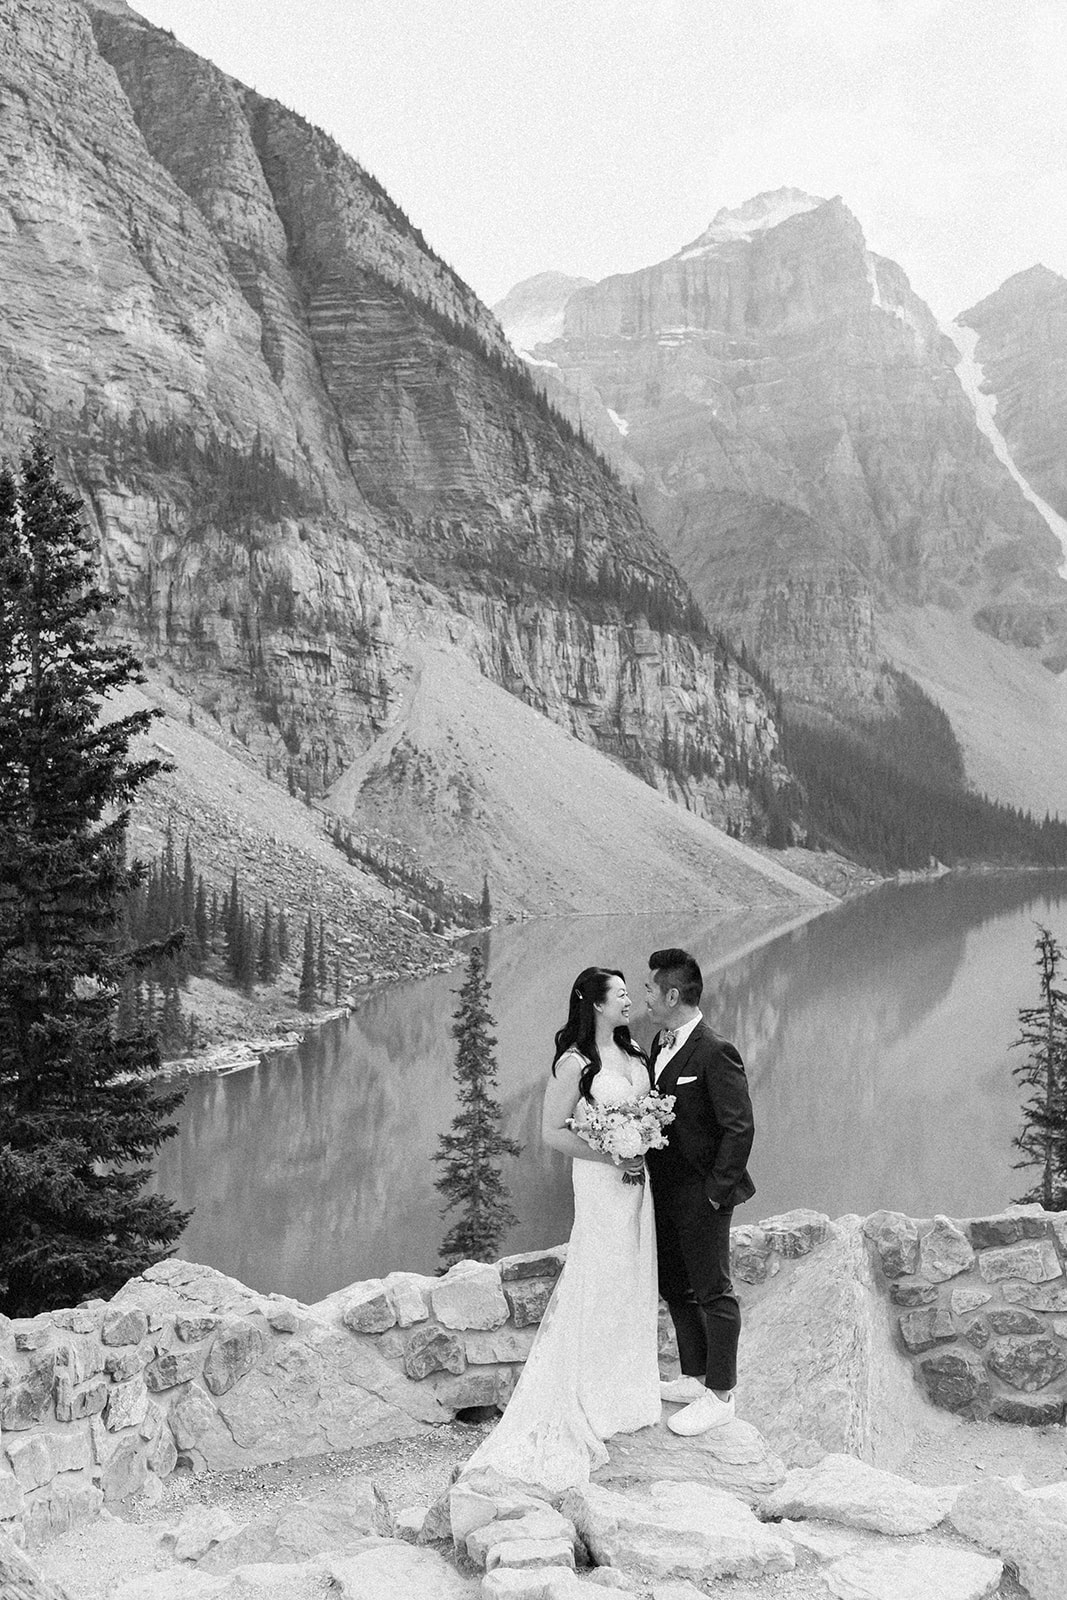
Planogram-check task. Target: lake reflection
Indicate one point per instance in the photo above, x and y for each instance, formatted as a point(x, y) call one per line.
point(876, 1037)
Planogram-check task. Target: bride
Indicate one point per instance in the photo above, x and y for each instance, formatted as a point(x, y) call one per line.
point(592, 1370)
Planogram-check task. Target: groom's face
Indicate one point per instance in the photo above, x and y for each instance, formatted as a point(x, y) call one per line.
point(660, 1006)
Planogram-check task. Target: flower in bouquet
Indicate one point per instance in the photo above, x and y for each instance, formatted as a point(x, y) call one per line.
point(627, 1130)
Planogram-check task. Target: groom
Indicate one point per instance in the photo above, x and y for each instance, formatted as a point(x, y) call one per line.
point(696, 1182)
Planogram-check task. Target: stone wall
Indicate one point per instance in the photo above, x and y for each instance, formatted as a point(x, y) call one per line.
point(188, 1367)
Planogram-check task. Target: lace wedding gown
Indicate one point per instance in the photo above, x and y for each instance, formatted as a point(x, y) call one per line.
point(592, 1370)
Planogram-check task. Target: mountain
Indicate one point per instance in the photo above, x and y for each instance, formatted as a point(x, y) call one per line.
point(802, 442)
point(306, 447)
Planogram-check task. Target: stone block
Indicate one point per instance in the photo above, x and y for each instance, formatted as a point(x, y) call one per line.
point(73, 1405)
point(735, 1457)
point(69, 1448)
point(30, 1333)
point(795, 1233)
point(173, 1368)
point(478, 1498)
point(923, 1328)
point(394, 1570)
point(368, 1308)
point(498, 1344)
point(954, 1381)
point(896, 1239)
point(527, 1555)
point(1027, 1364)
point(409, 1296)
point(539, 1583)
point(432, 1349)
point(67, 1500)
point(842, 1489)
point(162, 1454)
point(190, 1417)
point(1031, 1413)
point(12, 1499)
point(123, 1475)
point(543, 1523)
point(282, 1319)
point(30, 1400)
point(930, 1573)
point(190, 1330)
point(79, 1319)
point(80, 1356)
point(1036, 1262)
point(752, 1259)
point(392, 1344)
point(237, 1347)
point(986, 1233)
point(124, 1325)
point(1036, 1297)
point(469, 1296)
point(31, 1461)
point(977, 1333)
point(913, 1292)
point(201, 1527)
point(967, 1299)
point(129, 1362)
point(478, 1386)
point(409, 1523)
point(127, 1405)
point(1015, 1321)
point(527, 1300)
point(944, 1251)
point(996, 1516)
point(533, 1264)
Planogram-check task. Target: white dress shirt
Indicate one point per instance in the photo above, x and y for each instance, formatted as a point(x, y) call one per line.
point(680, 1036)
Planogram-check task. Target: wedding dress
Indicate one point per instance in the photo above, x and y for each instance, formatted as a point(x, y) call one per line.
point(592, 1370)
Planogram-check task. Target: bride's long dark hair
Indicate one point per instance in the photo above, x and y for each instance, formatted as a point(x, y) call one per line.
point(579, 1030)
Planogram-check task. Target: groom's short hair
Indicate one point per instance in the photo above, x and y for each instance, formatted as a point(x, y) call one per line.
point(677, 969)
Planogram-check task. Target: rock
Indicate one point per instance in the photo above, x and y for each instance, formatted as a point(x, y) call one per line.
point(527, 1300)
point(989, 1232)
point(824, 1543)
point(190, 1330)
point(190, 1417)
point(527, 1554)
point(533, 1264)
point(469, 1296)
point(670, 1530)
point(913, 1293)
point(283, 1319)
point(73, 1405)
point(70, 1449)
point(977, 1333)
point(922, 1329)
point(795, 1233)
point(127, 1405)
point(819, 1367)
point(369, 1309)
point(1035, 1297)
point(408, 1295)
point(478, 1386)
point(173, 1368)
point(478, 1498)
point(29, 1401)
point(1053, 1498)
point(408, 1524)
point(1015, 1321)
point(431, 1349)
point(922, 1574)
point(944, 1251)
point(752, 1259)
point(735, 1457)
point(998, 1517)
point(844, 1490)
point(201, 1527)
point(613, 1578)
point(965, 1300)
point(1027, 1363)
point(543, 1583)
point(896, 1238)
point(236, 1349)
point(123, 1475)
point(128, 1362)
point(124, 1325)
point(31, 1461)
point(498, 1344)
point(542, 1524)
point(11, 1496)
point(1034, 1263)
point(954, 1381)
point(1031, 1413)
point(392, 1570)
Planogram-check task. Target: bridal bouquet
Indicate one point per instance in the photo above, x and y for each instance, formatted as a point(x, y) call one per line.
point(627, 1130)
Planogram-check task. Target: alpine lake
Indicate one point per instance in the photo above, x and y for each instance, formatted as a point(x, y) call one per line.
point(877, 1037)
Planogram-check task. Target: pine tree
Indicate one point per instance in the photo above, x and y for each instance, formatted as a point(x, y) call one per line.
point(470, 1153)
point(321, 970)
point(1043, 1031)
point(266, 959)
point(79, 1118)
point(283, 937)
point(486, 907)
point(306, 993)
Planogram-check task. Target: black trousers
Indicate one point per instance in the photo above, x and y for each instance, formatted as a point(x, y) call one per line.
point(693, 1247)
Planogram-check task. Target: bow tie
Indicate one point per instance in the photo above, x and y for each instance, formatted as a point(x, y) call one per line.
point(666, 1039)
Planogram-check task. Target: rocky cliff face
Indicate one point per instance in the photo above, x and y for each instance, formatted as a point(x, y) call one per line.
point(805, 448)
point(1022, 349)
point(302, 438)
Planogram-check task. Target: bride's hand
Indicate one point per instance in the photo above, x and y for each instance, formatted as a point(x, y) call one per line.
point(634, 1166)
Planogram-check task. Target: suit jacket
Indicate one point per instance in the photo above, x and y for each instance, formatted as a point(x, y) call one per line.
point(711, 1135)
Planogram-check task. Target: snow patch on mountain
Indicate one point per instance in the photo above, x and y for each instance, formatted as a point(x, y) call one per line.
point(620, 422)
point(532, 313)
point(758, 215)
point(969, 371)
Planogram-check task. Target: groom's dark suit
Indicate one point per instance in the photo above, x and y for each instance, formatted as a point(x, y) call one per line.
point(696, 1182)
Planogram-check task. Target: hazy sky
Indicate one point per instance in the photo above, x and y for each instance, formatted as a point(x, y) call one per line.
point(597, 136)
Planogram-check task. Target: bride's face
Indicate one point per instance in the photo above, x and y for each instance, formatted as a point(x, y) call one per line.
point(616, 1005)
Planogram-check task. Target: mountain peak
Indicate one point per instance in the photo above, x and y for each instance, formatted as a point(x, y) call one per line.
point(759, 214)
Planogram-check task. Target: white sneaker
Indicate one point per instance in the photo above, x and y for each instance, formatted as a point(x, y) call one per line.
point(680, 1391)
point(704, 1414)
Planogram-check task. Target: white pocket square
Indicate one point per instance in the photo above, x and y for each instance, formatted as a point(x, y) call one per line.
point(687, 1080)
